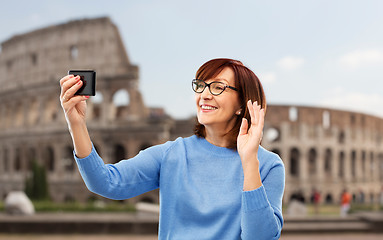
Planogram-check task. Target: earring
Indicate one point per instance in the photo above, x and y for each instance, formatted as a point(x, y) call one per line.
point(238, 112)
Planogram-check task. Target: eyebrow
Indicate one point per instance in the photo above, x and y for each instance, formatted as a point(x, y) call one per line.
point(221, 79)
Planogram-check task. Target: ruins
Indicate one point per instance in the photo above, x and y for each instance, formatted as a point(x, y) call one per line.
point(325, 149)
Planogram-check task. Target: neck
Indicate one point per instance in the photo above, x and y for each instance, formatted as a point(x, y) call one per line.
point(217, 138)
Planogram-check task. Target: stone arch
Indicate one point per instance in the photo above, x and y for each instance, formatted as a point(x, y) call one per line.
point(17, 162)
point(31, 157)
point(341, 137)
point(329, 198)
point(32, 112)
point(68, 159)
point(326, 119)
point(121, 97)
point(273, 134)
point(380, 167)
point(119, 153)
point(96, 105)
point(312, 163)
point(353, 163)
point(328, 162)
point(363, 164)
point(341, 165)
point(294, 162)
point(121, 101)
point(51, 109)
point(372, 164)
point(49, 159)
point(293, 114)
point(73, 52)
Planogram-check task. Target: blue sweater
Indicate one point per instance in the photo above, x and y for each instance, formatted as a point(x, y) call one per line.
point(201, 194)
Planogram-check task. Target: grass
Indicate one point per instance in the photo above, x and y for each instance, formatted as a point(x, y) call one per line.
point(334, 209)
point(49, 206)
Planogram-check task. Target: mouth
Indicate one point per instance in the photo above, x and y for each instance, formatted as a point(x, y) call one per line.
point(207, 108)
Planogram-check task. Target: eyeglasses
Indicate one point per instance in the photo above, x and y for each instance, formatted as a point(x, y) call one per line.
point(215, 88)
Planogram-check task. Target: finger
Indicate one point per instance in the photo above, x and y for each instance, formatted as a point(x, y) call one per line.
point(68, 84)
point(68, 94)
point(66, 78)
point(256, 108)
point(74, 101)
point(251, 111)
point(261, 123)
point(261, 118)
point(244, 127)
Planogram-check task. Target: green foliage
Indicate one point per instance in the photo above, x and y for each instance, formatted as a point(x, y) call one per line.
point(36, 186)
point(48, 206)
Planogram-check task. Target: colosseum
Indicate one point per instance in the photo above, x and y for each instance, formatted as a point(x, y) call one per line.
point(325, 149)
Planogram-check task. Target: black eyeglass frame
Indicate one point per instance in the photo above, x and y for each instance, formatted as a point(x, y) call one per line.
point(208, 85)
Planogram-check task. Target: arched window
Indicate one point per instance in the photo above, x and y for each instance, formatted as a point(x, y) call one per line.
point(73, 52)
point(341, 165)
point(363, 165)
point(68, 161)
point(121, 98)
point(312, 167)
point(328, 199)
point(119, 153)
point(328, 162)
point(293, 114)
point(17, 160)
point(353, 163)
point(341, 137)
point(31, 157)
point(294, 162)
point(49, 159)
point(6, 160)
point(326, 119)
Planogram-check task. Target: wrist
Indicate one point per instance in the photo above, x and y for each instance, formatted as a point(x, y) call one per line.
point(252, 175)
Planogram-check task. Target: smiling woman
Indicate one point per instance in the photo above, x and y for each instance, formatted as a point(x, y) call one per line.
point(247, 87)
point(211, 183)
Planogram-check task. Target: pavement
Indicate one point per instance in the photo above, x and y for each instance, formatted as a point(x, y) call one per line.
point(143, 226)
point(154, 237)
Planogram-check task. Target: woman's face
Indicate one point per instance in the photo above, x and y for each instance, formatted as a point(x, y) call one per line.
point(219, 111)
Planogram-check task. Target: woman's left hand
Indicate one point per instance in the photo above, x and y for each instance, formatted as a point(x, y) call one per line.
point(249, 138)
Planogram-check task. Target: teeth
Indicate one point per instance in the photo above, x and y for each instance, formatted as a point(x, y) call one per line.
point(208, 107)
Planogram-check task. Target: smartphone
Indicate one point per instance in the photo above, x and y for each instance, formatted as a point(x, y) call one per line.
point(88, 77)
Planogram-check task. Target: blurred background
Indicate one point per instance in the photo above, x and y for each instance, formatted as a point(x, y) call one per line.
point(319, 62)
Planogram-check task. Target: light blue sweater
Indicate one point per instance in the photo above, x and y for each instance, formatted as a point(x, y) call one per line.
point(201, 194)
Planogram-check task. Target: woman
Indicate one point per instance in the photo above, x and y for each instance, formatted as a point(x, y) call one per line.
point(217, 184)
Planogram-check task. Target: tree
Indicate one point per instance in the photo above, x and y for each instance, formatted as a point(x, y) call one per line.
point(36, 186)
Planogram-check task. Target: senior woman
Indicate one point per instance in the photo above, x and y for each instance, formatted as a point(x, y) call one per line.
point(217, 184)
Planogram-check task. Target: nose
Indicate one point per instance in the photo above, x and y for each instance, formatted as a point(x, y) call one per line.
point(206, 94)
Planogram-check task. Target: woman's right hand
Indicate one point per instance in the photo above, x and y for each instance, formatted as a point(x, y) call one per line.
point(74, 106)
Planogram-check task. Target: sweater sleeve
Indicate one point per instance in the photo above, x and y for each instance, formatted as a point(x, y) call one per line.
point(262, 208)
point(125, 179)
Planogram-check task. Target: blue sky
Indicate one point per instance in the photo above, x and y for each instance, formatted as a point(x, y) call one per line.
point(306, 52)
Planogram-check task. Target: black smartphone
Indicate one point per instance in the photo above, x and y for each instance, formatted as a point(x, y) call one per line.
point(88, 77)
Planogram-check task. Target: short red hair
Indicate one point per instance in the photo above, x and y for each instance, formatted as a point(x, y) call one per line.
point(248, 85)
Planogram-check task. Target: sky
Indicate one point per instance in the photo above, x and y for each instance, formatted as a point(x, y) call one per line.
point(320, 53)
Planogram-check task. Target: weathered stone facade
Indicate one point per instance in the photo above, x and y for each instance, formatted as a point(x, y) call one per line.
point(32, 124)
point(322, 148)
point(329, 150)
